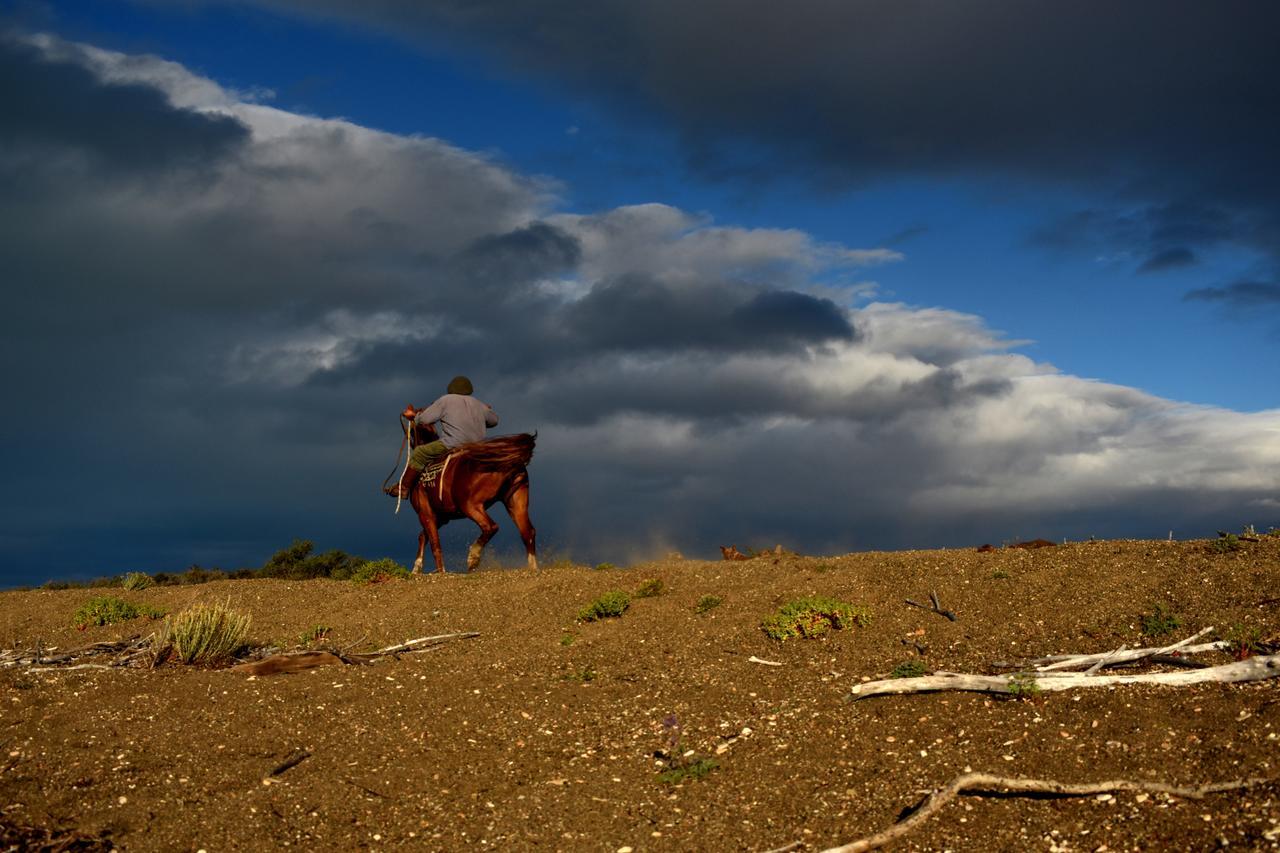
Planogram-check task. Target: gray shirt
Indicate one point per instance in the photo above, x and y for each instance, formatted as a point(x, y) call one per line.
point(458, 419)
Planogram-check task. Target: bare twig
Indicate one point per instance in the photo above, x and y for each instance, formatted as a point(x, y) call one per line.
point(295, 758)
point(1252, 669)
point(1114, 658)
point(936, 608)
point(981, 783)
point(439, 638)
point(754, 659)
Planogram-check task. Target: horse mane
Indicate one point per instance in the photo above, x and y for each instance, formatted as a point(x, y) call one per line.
point(503, 452)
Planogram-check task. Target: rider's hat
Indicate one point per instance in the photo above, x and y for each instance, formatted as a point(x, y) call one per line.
point(460, 385)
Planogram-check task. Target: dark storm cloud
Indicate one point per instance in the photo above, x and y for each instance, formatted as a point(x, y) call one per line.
point(640, 312)
point(1244, 294)
point(1149, 103)
point(1169, 259)
point(55, 107)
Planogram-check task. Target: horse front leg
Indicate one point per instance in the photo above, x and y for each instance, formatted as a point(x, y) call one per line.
point(487, 526)
point(430, 532)
point(517, 504)
point(422, 546)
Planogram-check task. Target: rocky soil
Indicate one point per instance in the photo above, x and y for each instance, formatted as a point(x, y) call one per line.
point(548, 733)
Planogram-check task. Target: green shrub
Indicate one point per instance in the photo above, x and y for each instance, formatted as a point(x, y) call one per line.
point(298, 563)
point(317, 632)
point(1023, 685)
point(908, 669)
point(611, 604)
point(586, 675)
point(567, 640)
point(196, 574)
point(707, 602)
point(107, 610)
point(651, 588)
point(1226, 543)
point(812, 616)
point(1243, 640)
point(378, 571)
point(136, 580)
point(204, 634)
point(999, 575)
point(604, 567)
point(693, 770)
point(1160, 621)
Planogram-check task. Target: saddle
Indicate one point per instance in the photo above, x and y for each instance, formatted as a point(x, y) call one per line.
point(433, 475)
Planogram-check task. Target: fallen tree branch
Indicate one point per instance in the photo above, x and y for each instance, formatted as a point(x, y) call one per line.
point(1256, 668)
point(413, 644)
point(936, 608)
point(1061, 662)
point(980, 783)
point(295, 758)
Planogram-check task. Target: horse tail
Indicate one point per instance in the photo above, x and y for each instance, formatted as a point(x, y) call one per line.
point(504, 453)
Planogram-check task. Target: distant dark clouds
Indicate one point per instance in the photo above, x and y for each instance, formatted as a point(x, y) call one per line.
point(1146, 104)
point(1244, 294)
point(56, 110)
point(1168, 259)
point(233, 334)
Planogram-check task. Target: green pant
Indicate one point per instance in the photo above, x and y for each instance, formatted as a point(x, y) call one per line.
point(424, 454)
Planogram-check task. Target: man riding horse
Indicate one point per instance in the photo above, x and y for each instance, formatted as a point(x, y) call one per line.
point(457, 418)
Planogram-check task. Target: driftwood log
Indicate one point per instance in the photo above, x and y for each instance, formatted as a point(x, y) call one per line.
point(985, 783)
point(288, 662)
point(1251, 669)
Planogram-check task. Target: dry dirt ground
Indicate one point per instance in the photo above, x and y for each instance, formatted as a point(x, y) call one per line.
point(542, 732)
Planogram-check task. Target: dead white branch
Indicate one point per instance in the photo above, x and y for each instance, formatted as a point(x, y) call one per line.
point(1121, 655)
point(1252, 669)
point(980, 783)
point(423, 641)
point(754, 659)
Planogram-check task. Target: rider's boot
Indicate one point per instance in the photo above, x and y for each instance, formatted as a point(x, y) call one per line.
point(405, 486)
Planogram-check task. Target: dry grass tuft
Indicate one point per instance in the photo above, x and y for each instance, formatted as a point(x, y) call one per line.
point(204, 634)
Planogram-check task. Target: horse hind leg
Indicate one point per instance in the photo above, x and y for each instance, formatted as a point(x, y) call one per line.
point(488, 527)
point(517, 504)
point(422, 547)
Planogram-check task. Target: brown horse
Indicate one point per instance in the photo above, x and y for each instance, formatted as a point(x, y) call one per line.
point(477, 476)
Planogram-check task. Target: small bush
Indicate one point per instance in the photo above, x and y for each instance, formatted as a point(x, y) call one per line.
point(693, 770)
point(586, 675)
point(651, 588)
point(1023, 686)
point(196, 574)
point(1227, 543)
point(378, 571)
point(204, 634)
point(298, 563)
point(908, 669)
point(604, 567)
point(707, 602)
point(567, 640)
point(316, 633)
point(1244, 640)
point(813, 616)
point(136, 580)
point(1160, 621)
point(1000, 575)
point(609, 605)
point(107, 610)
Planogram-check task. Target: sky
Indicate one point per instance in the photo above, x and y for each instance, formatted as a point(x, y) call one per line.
point(835, 275)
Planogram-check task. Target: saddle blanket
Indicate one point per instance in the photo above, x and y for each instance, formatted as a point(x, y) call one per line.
point(432, 473)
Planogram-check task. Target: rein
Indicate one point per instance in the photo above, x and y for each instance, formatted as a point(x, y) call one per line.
point(408, 432)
